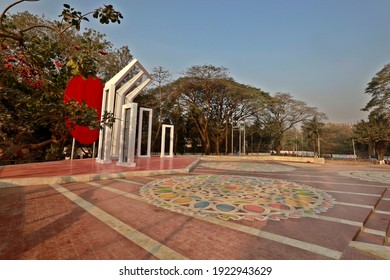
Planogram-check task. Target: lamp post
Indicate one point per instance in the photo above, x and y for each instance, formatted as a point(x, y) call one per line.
point(232, 147)
point(244, 148)
point(232, 137)
point(239, 138)
point(319, 145)
point(354, 150)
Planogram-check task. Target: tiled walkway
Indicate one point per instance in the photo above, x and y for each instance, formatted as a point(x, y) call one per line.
point(89, 169)
point(109, 219)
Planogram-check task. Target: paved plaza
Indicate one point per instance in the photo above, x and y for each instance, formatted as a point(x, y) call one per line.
point(194, 208)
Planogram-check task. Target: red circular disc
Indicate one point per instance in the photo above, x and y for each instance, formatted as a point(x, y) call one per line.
point(91, 92)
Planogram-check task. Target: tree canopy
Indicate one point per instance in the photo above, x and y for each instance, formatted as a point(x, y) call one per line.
point(204, 102)
point(379, 89)
point(37, 59)
point(376, 130)
point(281, 113)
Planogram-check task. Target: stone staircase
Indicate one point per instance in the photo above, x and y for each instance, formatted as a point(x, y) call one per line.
point(373, 239)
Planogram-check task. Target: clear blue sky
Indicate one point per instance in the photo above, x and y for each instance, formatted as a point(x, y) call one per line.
point(323, 52)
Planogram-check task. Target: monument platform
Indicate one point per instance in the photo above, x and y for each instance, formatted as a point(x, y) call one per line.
point(85, 170)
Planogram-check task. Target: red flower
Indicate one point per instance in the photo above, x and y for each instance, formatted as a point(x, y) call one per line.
point(58, 64)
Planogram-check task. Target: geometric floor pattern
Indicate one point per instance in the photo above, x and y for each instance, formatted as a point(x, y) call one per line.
point(248, 166)
point(374, 176)
point(236, 197)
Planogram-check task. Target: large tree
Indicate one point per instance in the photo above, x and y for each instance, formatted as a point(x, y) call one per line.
point(312, 130)
point(38, 57)
point(379, 89)
point(212, 100)
point(202, 105)
point(376, 131)
point(161, 77)
point(337, 139)
point(281, 113)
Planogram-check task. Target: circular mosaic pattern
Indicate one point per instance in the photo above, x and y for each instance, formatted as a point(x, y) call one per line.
point(375, 176)
point(236, 197)
point(248, 166)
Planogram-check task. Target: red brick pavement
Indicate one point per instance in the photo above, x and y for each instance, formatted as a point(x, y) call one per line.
point(40, 223)
point(191, 237)
point(90, 166)
point(37, 222)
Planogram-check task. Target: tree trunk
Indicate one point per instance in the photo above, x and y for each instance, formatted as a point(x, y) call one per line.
point(217, 147)
point(381, 149)
point(22, 150)
point(278, 144)
point(156, 137)
point(227, 137)
point(207, 145)
point(175, 140)
point(258, 146)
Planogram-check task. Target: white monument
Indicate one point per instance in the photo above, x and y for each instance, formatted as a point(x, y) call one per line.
point(149, 132)
point(119, 141)
point(164, 128)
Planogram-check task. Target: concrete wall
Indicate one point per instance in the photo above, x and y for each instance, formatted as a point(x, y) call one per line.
point(268, 158)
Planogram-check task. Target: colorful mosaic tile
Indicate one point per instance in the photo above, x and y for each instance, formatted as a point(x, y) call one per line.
point(236, 197)
point(248, 166)
point(374, 176)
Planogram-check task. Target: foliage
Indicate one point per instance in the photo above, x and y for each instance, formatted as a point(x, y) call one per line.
point(202, 104)
point(81, 63)
point(205, 103)
point(161, 77)
point(336, 139)
point(379, 89)
point(281, 113)
point(312, 129)
point(376, 131)
point(211, 101)
point(35, 67)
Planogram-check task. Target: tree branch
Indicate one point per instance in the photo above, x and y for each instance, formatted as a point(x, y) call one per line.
point(17, 36)
point(22, 149)
point(40, 26)
point(9, 7)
